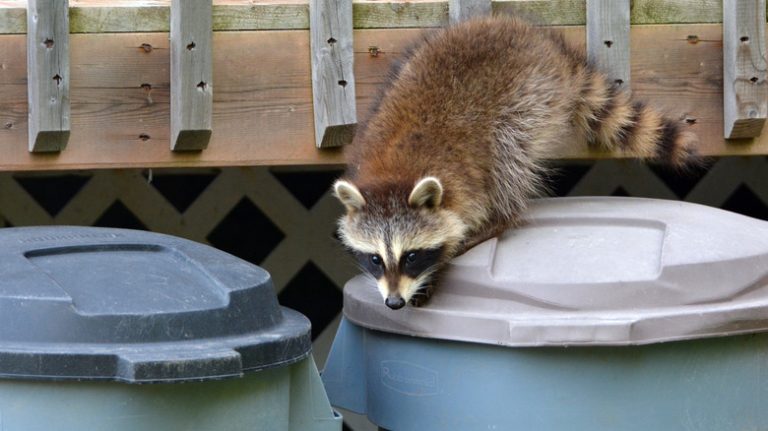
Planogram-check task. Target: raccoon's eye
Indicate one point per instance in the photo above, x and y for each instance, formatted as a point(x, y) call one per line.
point(415, 262)
point(376, 259)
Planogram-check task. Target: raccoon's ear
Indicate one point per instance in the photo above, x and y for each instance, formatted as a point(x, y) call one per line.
point(349, 195)
point(427, 192)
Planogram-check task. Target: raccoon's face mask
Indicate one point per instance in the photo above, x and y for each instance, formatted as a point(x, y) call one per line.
point(399, 237)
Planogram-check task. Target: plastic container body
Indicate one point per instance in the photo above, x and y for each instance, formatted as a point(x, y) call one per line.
point(405, 383)
point(288, 398)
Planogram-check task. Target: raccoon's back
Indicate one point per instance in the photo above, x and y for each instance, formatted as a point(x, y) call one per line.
point(441, 110)
point(479, 104)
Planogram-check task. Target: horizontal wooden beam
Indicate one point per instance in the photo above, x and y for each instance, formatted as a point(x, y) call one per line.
point(116, 16)
point(262, 107)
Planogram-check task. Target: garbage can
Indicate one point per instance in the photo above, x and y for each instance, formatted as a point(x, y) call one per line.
point(111, 329)
point(597, 314)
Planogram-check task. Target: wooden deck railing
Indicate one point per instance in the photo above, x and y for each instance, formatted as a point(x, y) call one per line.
point(262, 110)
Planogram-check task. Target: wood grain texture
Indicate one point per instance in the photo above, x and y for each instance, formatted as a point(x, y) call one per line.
point(461, 10)
point(191, 75)
point(111, 16)
point(262, 107)
point(608, 38)
point(333, 76)
point(48, 75)
point(745, 91)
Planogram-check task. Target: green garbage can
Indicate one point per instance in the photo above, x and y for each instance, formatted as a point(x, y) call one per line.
point(127, 330)
point(598, 314)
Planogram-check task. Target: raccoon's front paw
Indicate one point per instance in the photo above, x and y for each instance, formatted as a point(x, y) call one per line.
point(422, 296)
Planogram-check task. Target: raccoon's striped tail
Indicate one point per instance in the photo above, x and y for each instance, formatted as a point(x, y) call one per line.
point(611, 119)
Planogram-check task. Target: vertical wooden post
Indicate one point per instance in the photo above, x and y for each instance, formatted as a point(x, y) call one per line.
point(745, 91)
point(461, 10)
point(48, 74)
point(333, 79)
point(608, 38)
point(191, 74)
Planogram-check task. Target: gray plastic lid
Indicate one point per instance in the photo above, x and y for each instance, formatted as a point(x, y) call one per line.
point(594, 271)
point(112, 304)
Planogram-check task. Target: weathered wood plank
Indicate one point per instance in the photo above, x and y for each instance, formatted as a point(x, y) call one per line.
point(608, 38)
point(265, 118)
point(677, 11)
point(745, 90)
point(411, 14)
point(117, 16)
point(333, 76)
point(191, 75)
point(48, 75)
point(461, 10)
point(545, 12)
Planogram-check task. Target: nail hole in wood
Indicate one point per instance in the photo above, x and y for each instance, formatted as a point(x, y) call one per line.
point(744, 38)
point(753, 79)
point(618, 81)
point(146, 86)
point(8, 125)
point(374, 51)
point(692, 39)
point(146, 47)
point(343, 83)
point(144, 137)
point(191, 46)
point(608, 43)
point(48, 43)
point(690, 120)
point(201, 85)
point(331, 41)
point(58, 79)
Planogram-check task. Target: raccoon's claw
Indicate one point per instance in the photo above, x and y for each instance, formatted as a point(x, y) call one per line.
point(422, 296)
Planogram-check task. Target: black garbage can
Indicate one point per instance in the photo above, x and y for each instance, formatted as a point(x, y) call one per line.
point(89, 315)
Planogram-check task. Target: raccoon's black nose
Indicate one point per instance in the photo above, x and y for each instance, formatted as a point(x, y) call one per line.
point(395, 302)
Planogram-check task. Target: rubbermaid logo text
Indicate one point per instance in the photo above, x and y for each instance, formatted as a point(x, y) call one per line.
point(409, 379)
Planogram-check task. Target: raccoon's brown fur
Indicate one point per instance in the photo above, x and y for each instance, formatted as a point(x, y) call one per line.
point(478, 106)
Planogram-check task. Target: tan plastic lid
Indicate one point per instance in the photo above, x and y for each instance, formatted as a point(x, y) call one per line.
point(594, 271)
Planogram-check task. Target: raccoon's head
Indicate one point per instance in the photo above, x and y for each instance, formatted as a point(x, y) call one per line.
point(401, 234)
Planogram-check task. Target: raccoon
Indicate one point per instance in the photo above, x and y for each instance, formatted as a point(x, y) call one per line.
point(455, 146)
